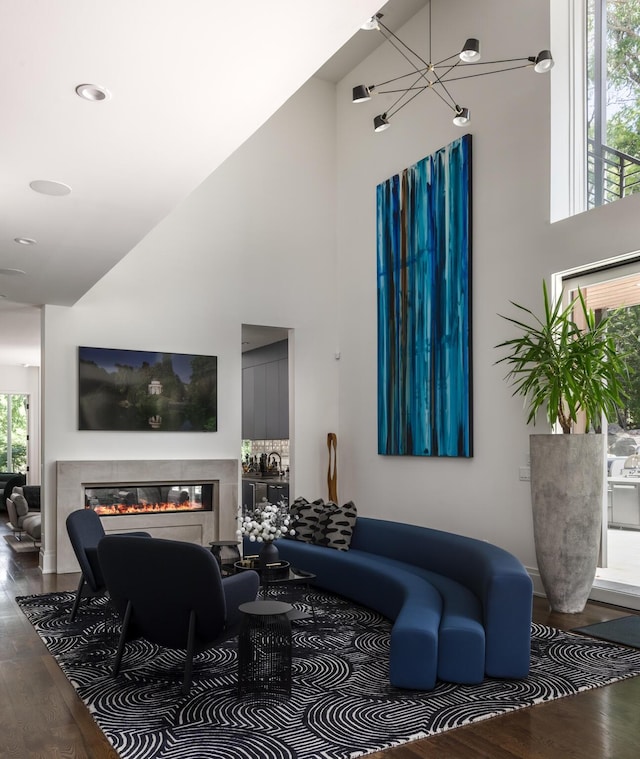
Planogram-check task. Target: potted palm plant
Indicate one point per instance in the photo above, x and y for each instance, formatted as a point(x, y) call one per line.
point(566, 364)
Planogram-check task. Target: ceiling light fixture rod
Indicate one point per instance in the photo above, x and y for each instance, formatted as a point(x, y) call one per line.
point(430, 28)
point(425, 71)
point(422, 73)
point(469, 56)
point(391, 37)
point(486, 73)
point(528, 60)
point(418, 90)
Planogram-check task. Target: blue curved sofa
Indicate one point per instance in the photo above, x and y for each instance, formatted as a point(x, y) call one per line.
point(461, 608)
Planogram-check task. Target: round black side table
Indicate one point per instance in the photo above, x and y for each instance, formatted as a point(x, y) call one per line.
point(264, 651)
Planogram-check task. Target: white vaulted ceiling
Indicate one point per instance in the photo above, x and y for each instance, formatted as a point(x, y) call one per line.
point(190, 81)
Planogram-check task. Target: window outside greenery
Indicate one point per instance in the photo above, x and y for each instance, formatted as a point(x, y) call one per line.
point(625, 330)
point(13, 436)
point(613, 99)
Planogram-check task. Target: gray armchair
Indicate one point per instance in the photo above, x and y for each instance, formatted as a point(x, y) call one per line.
point(22, 520)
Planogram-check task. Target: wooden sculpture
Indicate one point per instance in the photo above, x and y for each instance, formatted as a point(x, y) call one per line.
point(332, 474)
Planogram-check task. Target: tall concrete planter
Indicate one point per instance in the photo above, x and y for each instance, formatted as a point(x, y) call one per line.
point(566, 495)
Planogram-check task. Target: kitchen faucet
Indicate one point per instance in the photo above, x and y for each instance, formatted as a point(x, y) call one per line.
point(275, 453)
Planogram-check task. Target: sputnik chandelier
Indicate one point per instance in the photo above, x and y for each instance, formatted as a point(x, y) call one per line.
point(435, 77)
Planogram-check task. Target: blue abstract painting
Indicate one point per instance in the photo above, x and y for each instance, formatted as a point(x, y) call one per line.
point(424, 306)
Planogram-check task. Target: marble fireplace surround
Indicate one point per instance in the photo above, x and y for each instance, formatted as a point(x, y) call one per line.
point(193, 526)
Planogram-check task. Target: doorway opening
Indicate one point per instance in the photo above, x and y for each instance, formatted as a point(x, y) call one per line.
point(267, 455)
point(616, 287)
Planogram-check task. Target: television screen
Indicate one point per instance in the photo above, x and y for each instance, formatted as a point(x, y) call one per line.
point(141, 390)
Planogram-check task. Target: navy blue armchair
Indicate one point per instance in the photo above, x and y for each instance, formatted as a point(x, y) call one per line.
point(85, 531)
point(172, 593)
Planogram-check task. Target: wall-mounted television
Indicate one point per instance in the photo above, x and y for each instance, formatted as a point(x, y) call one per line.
point(142, 390)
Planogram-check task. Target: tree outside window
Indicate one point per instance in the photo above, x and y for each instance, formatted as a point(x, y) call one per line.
point(13, 433)
point(613, 100)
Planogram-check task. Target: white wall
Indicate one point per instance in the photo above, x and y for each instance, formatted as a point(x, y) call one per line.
point(514, 248)
point(255, 243)
point(25, 380)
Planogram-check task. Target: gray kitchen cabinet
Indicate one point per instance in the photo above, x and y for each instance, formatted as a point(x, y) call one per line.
point(277, 493)
point(247, 403)
point(271, 398)
point(283, 399)
point(260, 402)
point(248, 495)
point(265, 393)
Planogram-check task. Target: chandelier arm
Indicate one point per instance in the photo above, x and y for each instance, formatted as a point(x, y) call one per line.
point(430, 27)
point(448, 58)
point(404, 90)
point(402, 76)
point(439, 77)
point(393, 37)
point(449, 95)
point(487, 73)
point(412, 88)
point(441, 81)
point(393, 105)
point(488, 63)
point(451, 104)
point(391, 112)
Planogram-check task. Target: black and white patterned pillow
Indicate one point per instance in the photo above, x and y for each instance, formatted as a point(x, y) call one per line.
point(305, 518)
point(329, 508)
point(338, 524)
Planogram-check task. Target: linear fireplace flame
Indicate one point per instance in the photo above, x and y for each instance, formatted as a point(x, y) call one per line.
point(122, 499)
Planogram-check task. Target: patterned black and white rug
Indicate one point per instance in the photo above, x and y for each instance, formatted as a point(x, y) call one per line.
point(342, 705)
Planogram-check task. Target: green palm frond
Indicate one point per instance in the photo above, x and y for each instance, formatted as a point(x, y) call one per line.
point(561, 367)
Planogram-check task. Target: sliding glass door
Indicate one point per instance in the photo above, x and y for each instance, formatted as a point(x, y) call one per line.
point(607, 289)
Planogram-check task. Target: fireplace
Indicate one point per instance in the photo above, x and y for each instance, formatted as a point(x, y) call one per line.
point(203, 521)
point(159, 498)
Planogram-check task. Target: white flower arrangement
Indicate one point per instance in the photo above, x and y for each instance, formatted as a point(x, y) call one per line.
point(266, 523)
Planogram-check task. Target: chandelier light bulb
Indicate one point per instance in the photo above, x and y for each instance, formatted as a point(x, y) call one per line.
point(470, 52)
point(380, 123)
point(462, 117)
point(371, 24)
point(544, 62)
point(361, 93)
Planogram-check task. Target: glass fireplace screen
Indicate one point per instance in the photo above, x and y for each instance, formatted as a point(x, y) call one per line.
point(111, 500)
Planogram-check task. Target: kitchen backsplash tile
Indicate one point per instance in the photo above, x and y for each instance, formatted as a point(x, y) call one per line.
point(258, 447)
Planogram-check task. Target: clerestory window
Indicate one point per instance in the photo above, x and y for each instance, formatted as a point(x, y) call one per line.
point(613, 100)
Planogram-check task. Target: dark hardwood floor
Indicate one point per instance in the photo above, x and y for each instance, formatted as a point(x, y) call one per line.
point(42, 718)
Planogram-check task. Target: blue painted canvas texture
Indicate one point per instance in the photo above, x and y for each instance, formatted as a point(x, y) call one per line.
point(424, 305)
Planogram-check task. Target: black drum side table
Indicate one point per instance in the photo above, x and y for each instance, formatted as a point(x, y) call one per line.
point(264, 651)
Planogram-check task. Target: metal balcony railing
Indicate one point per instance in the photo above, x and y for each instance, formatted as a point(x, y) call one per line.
point(611, 174)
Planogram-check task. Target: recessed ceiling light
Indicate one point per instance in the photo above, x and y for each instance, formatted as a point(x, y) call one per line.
point(93, 92)
point(25, 240)
point(49, 187)
point(13, 272)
